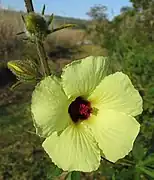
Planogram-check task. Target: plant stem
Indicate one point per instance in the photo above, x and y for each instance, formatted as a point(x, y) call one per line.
point(39, 44)
point(43, 57)
point(125, 162)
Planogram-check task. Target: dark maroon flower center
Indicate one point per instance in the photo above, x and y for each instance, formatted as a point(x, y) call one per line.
point(79, 109)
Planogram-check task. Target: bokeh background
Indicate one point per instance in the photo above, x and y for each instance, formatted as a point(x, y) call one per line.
point(126, 37)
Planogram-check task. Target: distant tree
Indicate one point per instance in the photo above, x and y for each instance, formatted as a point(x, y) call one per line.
point(98, 12)
point(126, 9)
point(142, 4)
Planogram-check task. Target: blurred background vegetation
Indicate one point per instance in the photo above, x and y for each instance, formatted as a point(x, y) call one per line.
point(128, 41)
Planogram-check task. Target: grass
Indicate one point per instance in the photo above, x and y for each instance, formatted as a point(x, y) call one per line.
point(21, 154)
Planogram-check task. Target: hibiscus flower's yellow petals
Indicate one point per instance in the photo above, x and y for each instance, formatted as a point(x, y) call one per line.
point(81, 77)
point(117, 92)
point(74, 150)
point(115, 133)
point(49, 107)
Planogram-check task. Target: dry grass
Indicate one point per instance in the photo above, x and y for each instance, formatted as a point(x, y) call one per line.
point(67, 38)
point(65, 43)
point(10, 25)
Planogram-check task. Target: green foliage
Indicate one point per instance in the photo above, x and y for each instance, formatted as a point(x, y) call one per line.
point(53, 172)
point(73, 176)
point(129, 41)
point(141, 4)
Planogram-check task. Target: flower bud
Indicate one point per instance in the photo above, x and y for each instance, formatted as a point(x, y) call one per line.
point(24, 70)
point(36, 25)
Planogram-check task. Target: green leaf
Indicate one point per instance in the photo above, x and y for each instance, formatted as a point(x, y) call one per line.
point(138, 151)
point(126, 174)
point(149, 160)
point(151, 91)
point(113, 177)
point(137, 175)
point(75, 175)
point(53, 173)
point(148, 171)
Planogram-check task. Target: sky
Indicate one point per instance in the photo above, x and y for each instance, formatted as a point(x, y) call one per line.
point(69, 8)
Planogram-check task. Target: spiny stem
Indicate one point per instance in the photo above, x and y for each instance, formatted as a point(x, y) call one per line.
point(29, 6)
point(39, 44)
point(43, 57)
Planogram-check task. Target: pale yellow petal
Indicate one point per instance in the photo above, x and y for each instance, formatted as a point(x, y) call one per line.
point(81, 77)
point(117, 92)
point(74, 150)
point(49, 107)
point(115, 133)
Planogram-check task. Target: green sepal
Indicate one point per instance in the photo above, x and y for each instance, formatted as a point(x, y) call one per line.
point(50, 20)
point(25, 71)
point(43, 10)
point(63, 27)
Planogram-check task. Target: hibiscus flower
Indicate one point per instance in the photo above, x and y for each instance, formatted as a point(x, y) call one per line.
point(85, 115)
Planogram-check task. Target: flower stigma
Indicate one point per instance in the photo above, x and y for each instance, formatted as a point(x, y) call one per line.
point(79, 109)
